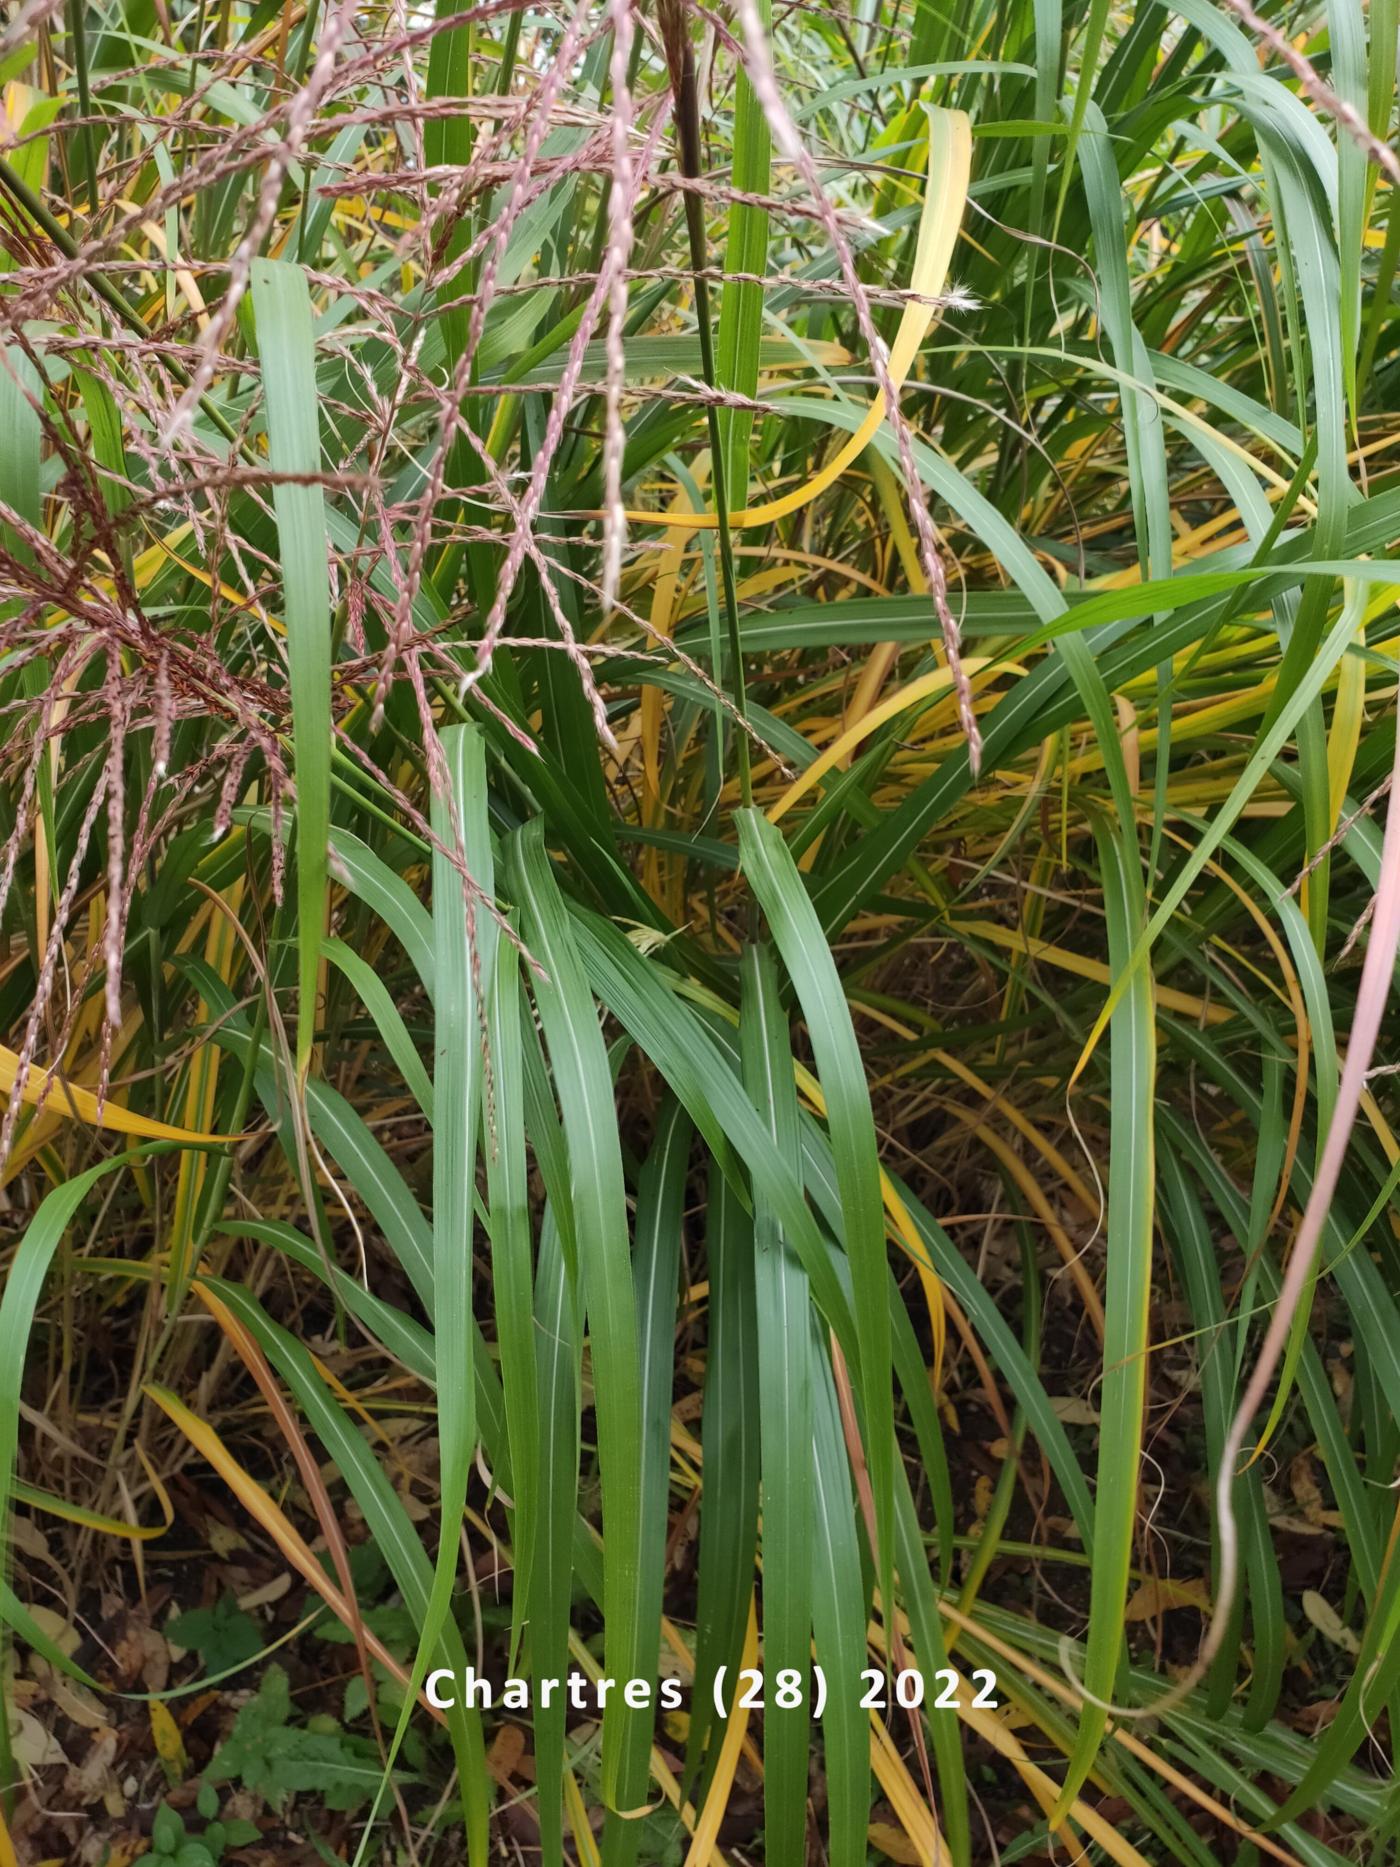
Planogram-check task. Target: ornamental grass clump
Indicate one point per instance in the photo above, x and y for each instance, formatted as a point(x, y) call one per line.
point(699, 892)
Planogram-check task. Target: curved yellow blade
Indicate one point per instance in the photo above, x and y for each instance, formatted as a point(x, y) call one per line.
point(70, 1099)
point(925, 687)
point(945, 197)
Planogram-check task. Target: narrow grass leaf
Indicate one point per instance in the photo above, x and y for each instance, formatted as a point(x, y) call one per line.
point(286, 347)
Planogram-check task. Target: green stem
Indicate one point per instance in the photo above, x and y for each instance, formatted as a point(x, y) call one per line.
point(688, 140)
point(77, 29)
